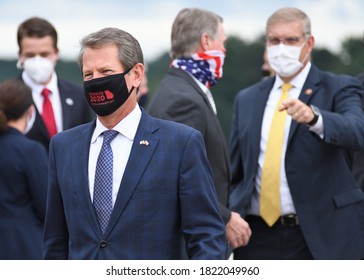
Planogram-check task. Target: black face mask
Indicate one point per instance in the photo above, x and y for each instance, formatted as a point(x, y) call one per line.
point(105, 95)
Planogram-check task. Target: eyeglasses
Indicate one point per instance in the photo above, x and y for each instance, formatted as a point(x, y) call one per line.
point(290, 41)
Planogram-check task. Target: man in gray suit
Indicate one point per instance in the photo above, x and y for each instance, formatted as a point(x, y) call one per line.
point(184, 96)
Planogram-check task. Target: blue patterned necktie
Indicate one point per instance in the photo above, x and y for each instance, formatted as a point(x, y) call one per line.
point(103, 181)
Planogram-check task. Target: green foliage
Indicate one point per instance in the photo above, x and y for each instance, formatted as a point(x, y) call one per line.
point(242, 68)
point(327, 61)
point(8, 70)
point(354, 54)
point(156, 71)
point(69, 70)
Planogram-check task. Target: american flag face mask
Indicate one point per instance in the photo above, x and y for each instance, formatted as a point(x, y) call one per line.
point(204, 66)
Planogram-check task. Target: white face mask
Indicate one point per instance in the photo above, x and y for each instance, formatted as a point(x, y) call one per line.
point(284, 59)
point(30, 120)
point(38, 68)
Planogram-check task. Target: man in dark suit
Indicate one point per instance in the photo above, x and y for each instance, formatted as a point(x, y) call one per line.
point(291, 172)
point(184, 96)
point(38, 55)
point(128, 186)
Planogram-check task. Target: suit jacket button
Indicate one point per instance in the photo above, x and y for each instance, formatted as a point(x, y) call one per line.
point(103, 244)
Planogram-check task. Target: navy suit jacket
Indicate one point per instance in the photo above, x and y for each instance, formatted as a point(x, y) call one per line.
point(75, 111)
point(166, 194)
point(358, 156)
point(179, 98)
point(23, 193)
point(328, 201)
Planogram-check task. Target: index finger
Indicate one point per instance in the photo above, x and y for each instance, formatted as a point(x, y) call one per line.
point(286, 104)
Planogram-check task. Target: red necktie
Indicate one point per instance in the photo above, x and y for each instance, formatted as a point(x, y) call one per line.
point(48, 115)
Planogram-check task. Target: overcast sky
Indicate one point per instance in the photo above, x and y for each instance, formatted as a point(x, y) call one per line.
point(150, 20)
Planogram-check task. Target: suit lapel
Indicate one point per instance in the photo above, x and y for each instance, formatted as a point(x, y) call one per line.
point(257, 112)
point(67, 104)
point(39, 125)
point(187, 77)
point(145, 142)
point(81, 150)
point(309, 89)
point(191, 81)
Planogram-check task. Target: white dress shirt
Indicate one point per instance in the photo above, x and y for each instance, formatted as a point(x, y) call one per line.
point(120, 145)
point(54, 96)
point(287, 206)
point(207, 92)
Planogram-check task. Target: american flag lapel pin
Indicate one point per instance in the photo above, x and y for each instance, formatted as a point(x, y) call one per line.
point(144, 142)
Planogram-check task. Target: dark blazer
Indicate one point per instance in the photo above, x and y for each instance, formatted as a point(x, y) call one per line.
point(180, 99)
point(328, 201)
point(75, 111)
point(23, 193)
point(166, 194)
point(358, 156)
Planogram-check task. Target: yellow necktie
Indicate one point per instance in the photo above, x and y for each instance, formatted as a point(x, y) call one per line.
point(270, 183)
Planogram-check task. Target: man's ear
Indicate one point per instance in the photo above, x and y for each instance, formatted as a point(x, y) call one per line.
point(310, 43)
point(137, 74)
point(56, 54)
point(205, 41)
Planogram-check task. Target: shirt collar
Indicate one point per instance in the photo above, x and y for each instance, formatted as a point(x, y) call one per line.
point(201, 85)
point(127, 126)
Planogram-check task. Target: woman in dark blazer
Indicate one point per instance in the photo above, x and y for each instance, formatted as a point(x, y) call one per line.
point(23, 176)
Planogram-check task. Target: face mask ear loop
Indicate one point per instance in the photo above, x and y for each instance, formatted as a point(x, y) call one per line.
point(126, 72)
point(306, 56)
point(19, 65)
point(131, 90)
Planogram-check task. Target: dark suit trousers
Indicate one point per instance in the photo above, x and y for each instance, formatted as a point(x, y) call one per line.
point(279, 242)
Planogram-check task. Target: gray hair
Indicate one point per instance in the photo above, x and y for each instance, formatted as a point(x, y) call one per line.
point(130, 52)
point(187, 29)
point(287, 15)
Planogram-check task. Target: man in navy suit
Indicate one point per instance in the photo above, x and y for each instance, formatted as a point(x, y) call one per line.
point(38, 55)
point(160, 200)
point(317, 206)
